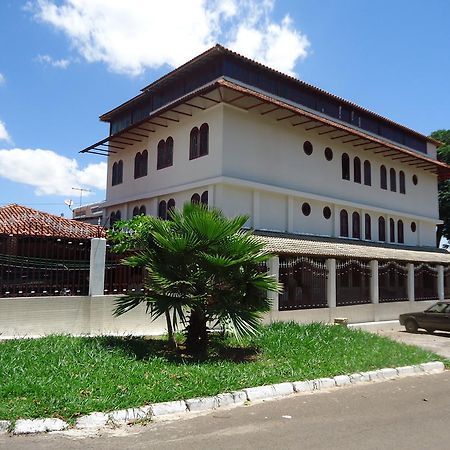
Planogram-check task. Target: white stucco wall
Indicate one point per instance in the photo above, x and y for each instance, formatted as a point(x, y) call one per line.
point(183, 170)
point(257, 166)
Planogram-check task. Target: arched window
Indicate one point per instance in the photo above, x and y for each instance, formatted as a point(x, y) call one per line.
point(345, 167)
point(120, 172)
point(367, 173)
point(401, 177)
point(391, 230)
point(400, 233)
point(204, 198)
point(356, 226)
point(114, 174)
point(142, 211)
point(344, 223)
point(204, 139)
point(140, 164)
point(165, 153)
point(162, 210)
point(357, 170)
point(112, 219)
point(161, 150)
point(170, 206)
point(144, 163)
point(194, 144)
point(135, 211)
point(393, 179)
point(367, 227)
point(169, 151)
point(195, 199)
point(117, 173)
point(381, 229)
point(137, 165)
point(383, 177)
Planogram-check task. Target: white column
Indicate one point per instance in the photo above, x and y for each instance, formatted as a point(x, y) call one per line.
point(374, 285)
point(331, 282)
point(336, 221)
point(290, 214)
point(256, 210)
point(97, 266)
point(211, 196)
point(274, 270)
point(411, 282)
point(440, 281)
point(362, 221)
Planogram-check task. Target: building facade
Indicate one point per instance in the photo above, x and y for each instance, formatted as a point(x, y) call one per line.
point(304, 165)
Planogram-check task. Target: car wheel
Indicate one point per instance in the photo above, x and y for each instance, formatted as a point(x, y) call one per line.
point(430, 330)
point(411, 326)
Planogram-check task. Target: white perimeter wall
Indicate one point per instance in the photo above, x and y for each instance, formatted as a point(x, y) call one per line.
point(39, 316)
point(72, 315)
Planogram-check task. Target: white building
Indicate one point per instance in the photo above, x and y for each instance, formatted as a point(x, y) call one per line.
point(339, 192)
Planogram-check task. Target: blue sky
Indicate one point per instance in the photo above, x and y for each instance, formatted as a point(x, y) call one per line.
point(63, 63)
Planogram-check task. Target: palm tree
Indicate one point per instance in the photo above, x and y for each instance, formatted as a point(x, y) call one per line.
point(202, 269)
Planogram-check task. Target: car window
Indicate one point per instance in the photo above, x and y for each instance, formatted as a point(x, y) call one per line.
point(438, 308)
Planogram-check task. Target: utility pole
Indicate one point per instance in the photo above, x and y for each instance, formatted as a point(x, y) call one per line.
point(81, 192)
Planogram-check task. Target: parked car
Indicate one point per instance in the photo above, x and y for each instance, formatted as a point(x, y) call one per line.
point(436, 317)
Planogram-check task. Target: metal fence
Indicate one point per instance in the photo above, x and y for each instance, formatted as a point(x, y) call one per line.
point(43, 265)
point(119, 278)
point(393, 282)
point(425, 282)
point(305, 283)
point(352, 282)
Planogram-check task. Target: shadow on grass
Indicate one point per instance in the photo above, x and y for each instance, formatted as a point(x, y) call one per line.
point(145, 349)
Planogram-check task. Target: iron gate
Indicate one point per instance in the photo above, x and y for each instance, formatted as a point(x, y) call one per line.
point(352, 282)
point(447, 282)
point(393, 282)
point(425, 282)
point(305, 283)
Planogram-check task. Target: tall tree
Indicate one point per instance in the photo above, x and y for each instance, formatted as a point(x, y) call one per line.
point(443, 154)
point(202, 269)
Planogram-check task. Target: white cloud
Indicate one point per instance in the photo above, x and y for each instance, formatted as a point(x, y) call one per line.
point(4, 135)
point(2, 79)
point(138, 34)
point(49, 172)
point(58, 63)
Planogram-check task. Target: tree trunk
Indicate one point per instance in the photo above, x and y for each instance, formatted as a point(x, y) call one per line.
point(197, 333)
point(171, 336)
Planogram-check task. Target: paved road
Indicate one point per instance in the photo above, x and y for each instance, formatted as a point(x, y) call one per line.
point(411, 413)
point(438, 342)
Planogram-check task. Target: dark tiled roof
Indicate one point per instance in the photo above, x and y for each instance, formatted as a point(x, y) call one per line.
point(295, 244)
point(21, 220)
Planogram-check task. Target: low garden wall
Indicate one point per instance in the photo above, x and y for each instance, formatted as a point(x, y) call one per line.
point(72, 315)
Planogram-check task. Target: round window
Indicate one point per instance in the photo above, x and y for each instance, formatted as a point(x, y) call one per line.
point(413, 227)
point(306, 209)
point(327, 212)
point(307, 147)
point(415, 180)
point(328, 154)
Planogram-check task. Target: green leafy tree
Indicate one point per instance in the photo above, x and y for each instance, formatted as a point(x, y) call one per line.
point(202, 269)
point(443, 154)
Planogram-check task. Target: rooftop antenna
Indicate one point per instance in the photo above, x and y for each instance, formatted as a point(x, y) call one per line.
point(81, 192)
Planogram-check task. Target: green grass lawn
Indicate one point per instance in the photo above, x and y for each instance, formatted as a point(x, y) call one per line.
point(62, 376)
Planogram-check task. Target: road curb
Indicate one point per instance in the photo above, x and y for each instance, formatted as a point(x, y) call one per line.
point(98, 420)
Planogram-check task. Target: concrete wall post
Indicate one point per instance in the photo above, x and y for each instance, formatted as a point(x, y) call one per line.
point(274, 270)
point(97, 266)
point(411, 282)
point(440, 281)
point(331, 282)
point(374, 284)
